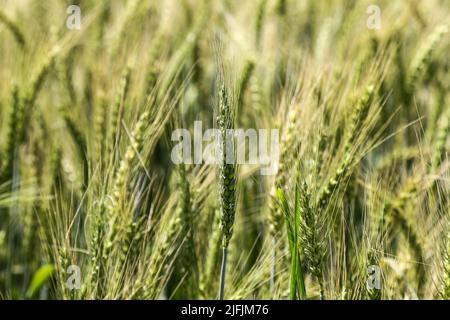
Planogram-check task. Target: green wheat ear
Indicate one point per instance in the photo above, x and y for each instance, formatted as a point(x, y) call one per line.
point(227, 177)
point(126, 163)
point(117, 112)
point(153, 71)
point(311, 237)
point(120, 182)
point(30, 95)
point(81, 144)
point(244, 82)
point(259, 24)
point(358, 117)
point(440, 149)
point(394, 213)
point(12, 142)
point(101, 131)
point(422, 59)
point(64, 68)
point(186, 268)
point(227, 171)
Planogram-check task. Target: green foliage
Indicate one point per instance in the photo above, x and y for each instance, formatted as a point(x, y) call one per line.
point(40, 278)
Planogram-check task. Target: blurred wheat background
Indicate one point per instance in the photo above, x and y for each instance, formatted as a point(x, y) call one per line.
point(86, 177)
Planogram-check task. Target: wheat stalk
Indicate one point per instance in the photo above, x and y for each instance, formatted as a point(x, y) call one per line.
point(13, 27)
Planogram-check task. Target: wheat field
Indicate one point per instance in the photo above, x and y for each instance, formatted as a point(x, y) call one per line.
point(93, 205)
